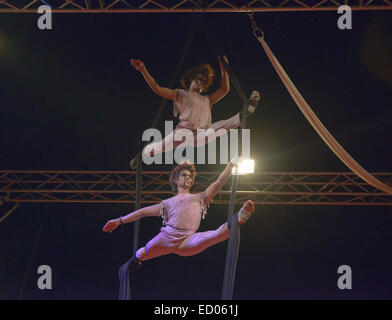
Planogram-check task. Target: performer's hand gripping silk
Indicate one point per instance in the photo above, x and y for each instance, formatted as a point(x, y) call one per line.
point(193, 108)
point(181, 216)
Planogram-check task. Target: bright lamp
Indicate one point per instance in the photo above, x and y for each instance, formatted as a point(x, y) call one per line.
point(245, 166)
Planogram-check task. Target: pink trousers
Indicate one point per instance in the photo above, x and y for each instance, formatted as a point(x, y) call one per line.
point(196, 139)
point(181, 242)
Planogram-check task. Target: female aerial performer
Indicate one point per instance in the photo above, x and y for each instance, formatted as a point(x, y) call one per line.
point(181, 216)
point(193, 108)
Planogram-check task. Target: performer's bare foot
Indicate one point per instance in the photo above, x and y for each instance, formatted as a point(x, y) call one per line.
point(245, 212)
point(253, 102)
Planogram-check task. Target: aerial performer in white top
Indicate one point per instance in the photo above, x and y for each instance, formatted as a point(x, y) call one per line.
point(181, 216)
point(193, 108)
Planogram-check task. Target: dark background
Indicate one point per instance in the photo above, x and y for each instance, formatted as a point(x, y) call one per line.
point(69, 100)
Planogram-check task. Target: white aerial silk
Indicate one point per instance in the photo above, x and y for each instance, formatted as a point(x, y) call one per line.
point(319, 127)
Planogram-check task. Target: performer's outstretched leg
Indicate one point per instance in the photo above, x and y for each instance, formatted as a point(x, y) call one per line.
point(200, 241)
point(220, 128)
point(162, 244)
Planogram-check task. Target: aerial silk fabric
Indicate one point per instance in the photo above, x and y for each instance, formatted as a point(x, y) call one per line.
point(319, 127)
point(233, 249)
point(125, 288)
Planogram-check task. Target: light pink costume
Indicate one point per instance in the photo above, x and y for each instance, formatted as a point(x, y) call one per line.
point(194, 113)
point(181, 218)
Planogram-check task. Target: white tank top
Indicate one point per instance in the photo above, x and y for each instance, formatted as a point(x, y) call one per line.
point(184, 211)
point(194, 109)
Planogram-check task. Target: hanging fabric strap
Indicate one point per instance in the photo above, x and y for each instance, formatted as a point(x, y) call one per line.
point(319, 127)
point(234, 239)
point(232, 247)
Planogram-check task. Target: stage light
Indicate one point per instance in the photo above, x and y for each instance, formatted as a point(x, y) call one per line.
point(245, 166)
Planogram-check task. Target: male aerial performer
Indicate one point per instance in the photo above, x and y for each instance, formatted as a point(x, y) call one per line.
point(181, 216)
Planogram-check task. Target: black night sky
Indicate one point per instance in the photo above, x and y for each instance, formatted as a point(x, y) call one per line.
point(69, 100)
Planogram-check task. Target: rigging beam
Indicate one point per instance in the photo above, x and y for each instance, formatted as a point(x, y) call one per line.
point(188, 6)
point(280, 188)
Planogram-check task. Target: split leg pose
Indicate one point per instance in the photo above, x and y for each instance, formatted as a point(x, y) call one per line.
point(192, 107)
point(181, 216)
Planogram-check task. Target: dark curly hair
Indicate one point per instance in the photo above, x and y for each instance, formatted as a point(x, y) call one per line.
point(175, 173)
point(205, 69)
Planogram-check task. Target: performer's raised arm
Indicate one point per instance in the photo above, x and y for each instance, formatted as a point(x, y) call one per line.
point(150, 211)
point(213, 189)
point(225, 83)
point(161, 91)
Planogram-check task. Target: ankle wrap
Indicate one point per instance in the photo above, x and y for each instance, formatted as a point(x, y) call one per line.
point(243, 215)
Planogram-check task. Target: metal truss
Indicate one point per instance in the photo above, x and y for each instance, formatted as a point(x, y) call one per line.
point(172, 6)
point(299, 188)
